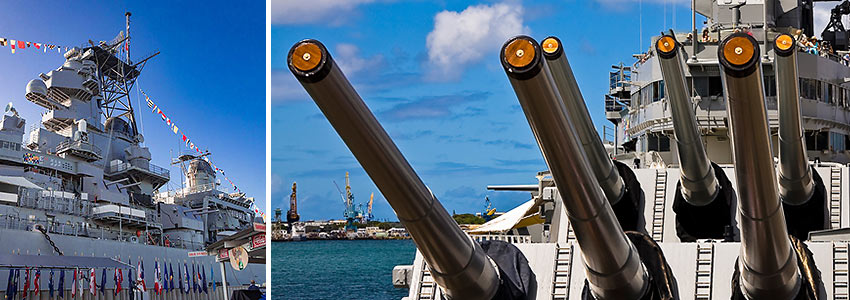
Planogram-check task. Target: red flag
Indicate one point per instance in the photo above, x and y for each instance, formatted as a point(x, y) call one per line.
point(37, 46)
point(92, 283)
point(36, 281)
point(74, 286)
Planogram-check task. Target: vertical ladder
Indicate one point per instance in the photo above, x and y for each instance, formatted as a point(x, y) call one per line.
point(835, 197)
point(840, 290)
point(658, 204)
point(704, 271)
point(561, 279)
point(571, 235)
point(427, 286)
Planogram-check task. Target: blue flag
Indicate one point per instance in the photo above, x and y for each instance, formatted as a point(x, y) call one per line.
point(10, 291)
point(50, 284)
point(212, 277)
point(204, 280)
point(180, 278)
point(61, 288)
point(103, 282)
point(131, 279)
point(194, 278)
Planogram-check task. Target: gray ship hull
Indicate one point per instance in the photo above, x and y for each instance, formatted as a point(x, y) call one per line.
point(23, 242)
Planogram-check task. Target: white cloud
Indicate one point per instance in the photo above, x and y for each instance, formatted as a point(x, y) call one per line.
point(349, 59)
point(330, 12)
point(463, 38)
point(285, 88)
point(822, 15)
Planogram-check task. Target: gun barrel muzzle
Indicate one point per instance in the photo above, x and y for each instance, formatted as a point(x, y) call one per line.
point(457, 263)
point(796, 184)
point(699, 184)
point(562, 74)
point(612, 264)
point(768, 263)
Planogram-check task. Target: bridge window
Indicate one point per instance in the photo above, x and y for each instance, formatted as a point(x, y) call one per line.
point(657, 90)
point(810, 89)
point(707, 86)
point(836, 142)
point(830, 93)
point(817, 140)
point(657, 142)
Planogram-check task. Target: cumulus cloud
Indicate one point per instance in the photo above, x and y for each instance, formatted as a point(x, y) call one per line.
point(349, 59)
point(463, 38)
point(285, 88)
point(328, 12)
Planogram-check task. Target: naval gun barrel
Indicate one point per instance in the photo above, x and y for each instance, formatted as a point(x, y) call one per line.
point(562, 75)
point(612, 264)
point(458, 264)
point(796, 184)
point(767, 263)
point(699, 184)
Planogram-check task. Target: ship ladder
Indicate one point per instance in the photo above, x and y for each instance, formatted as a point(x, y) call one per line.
point(840, 289)
point(835, 198)
point(571, 235)
point(427, 286)
point(561, 278)
point(704, 270)
point(658, 205)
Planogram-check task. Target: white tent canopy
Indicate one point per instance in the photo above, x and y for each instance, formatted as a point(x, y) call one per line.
point(508, 220)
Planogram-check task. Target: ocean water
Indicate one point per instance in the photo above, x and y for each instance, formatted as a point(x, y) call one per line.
point(360, 269)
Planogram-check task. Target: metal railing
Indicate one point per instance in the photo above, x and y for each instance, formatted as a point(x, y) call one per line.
point(77, 145)
point(35, 199)
point(80, 229)
point(513, 239)
point(126, 166)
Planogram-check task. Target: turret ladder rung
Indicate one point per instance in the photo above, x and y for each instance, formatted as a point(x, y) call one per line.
point(835, 197)
point(704, 270)
point(427, 287)
point(561, 276)
point(658, 205)
point(840, 276)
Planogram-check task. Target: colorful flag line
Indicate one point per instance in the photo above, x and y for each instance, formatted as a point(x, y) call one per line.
point(155, 109)
point(20, 45)
point(23, 281)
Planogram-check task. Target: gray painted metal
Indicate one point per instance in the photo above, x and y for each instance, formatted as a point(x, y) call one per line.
point(768, 264)
point(699, 184)
point(567, 88)
point(457, 263)
point(612, 265)
point(796, 185)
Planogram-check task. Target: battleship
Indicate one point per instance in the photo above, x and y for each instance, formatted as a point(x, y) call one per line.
point(727, 176)
point(80, 185)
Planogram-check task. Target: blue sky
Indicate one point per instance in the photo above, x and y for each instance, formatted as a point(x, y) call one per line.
point(209, 77)
point(430, 72)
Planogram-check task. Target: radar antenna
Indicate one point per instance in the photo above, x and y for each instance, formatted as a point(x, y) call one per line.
point(117, 77)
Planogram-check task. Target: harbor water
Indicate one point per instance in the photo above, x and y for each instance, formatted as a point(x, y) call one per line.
point(338, 269)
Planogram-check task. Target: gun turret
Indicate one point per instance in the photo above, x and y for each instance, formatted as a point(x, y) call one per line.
point(613, 267)
point(767, 263)
point(699, 185)
point(624, 198)
point(800, 188)
point(458, 264)
point(699, 212)
point(796, 185)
